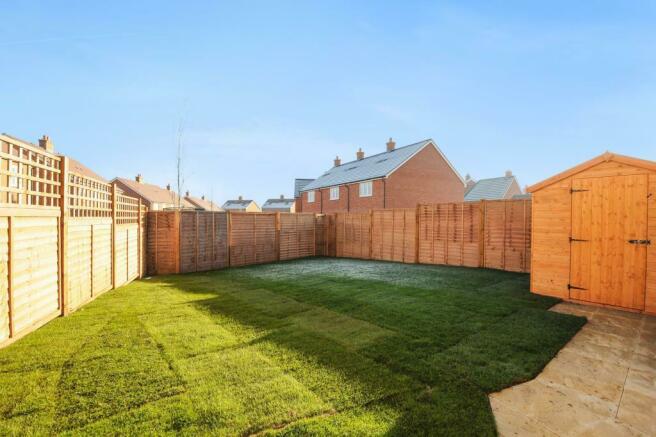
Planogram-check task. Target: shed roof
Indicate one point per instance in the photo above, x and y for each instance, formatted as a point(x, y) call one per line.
point(372, 167)
point(605, 157)
point(490, 189)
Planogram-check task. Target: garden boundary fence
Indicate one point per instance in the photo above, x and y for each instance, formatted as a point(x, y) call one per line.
point(195, 241)
point(492, 234)
point(65, 237)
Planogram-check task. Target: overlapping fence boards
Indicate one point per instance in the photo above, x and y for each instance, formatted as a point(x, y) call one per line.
point(492, 234)
point(192, 241)
point(450, 233)
point(394, 235)
point(298, 235)
point(58, 235)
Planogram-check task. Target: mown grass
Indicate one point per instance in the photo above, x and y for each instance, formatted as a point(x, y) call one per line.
point(310, 347)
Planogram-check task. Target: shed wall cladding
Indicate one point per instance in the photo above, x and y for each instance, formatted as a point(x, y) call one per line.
point(591, 229)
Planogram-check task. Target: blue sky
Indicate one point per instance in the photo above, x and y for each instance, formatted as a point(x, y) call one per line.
point(270, 91)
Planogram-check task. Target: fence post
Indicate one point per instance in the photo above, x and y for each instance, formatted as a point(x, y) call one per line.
point(229, 239)
point(63, 231)
point(417, 225)
point(277, 237)
point(10, 302)
point(196, 246)
point(481, 234)
point(114, 204)
point(139, 243)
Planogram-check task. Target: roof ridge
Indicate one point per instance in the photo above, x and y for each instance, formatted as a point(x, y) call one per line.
point(382, 153)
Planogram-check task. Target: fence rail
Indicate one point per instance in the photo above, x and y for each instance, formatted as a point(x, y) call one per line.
point(65, 238)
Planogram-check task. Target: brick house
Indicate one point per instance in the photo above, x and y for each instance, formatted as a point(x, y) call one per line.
point(504, 187)
point(397, 178)
point(153, 196)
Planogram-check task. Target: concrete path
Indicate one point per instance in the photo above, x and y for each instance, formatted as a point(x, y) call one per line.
point(602, 383)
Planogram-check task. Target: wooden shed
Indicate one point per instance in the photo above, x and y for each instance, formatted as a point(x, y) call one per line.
point(594, 234)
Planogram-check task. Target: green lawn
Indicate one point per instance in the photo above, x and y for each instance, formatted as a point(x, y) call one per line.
point(320, 346)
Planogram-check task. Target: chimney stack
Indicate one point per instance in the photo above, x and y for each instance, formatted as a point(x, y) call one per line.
point(282, 197)
point(139, 178)
point(391, 145)
point(508, 173)
point(337, 161)
point(240, 197)
point(187, 194)
point(46, 144)
point(168, 187)
point(202, 197)
point(359, 154)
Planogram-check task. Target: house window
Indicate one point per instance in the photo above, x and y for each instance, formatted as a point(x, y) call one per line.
point(366, 189)
point(310, 196)
point(334, 193)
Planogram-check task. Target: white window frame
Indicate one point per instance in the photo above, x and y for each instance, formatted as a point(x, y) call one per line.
point(15, 169)
point(310, 196)
point(366, 189)
point(334, 193)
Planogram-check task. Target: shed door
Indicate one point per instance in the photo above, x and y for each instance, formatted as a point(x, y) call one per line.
point(609, 240)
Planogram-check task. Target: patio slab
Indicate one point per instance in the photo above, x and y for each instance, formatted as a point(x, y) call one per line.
point(602, 383)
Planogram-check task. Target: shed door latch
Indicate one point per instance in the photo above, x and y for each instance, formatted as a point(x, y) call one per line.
point(571, 287)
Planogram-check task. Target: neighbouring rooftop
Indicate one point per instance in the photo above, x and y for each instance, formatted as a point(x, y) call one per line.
point(490, 189)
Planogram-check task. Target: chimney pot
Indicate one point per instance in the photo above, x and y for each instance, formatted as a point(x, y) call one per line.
point(46, 144)
point(337, 161)
point(359, 154)
point(241, 197)
point(168, 187)
point(187, 194)
point(391, 145)
point(202, 197)
point(508, 173)
point(139, 178)
point(282, 196)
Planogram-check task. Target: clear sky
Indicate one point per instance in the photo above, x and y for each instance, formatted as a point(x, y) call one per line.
point(270, 91)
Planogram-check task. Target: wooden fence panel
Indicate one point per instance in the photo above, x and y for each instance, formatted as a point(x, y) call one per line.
point(188, 241)
point(297, 235)
point(34, 274)
point(253, 238)
point(220, 240)
point(163, 243)
point(102, 257)
point(4, 276)
point(353, 235)
point(79, 235)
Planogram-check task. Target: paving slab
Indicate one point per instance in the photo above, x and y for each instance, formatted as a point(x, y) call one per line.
point(602, 383)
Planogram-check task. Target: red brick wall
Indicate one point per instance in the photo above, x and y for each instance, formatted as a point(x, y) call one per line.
point(426, 178)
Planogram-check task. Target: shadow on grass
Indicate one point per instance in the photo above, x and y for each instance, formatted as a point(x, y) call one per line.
point(429, 354)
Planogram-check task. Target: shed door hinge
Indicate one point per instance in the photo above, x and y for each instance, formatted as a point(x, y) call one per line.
point(572, 287)
point(573, 190)
point(576, 239)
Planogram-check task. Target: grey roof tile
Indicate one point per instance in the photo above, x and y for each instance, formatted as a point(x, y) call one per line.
point(372, 167)
point(299, 183)
point(489, 189)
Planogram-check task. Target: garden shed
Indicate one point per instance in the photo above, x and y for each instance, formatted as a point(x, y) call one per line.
point(594, 233)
